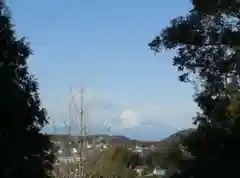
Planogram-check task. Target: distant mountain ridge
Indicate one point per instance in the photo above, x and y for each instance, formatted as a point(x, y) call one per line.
point(120, 139)
point(153, 131)
point(113, 139)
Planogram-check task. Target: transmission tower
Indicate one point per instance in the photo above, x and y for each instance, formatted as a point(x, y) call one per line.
point(83, 135)
point(82, 142)
point(65, 165)
point(65, 161)
point(69, 164)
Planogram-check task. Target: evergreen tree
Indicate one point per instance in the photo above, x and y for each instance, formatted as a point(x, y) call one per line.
point(207, 41)
point(24, 151)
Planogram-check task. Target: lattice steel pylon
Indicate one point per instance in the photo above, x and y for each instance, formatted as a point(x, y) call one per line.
point(70, 164)
point(82, 141)
point(65, 163)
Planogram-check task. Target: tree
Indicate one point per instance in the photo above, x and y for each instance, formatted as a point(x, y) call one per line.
point(24, 151)
point(134, 160)
point(173, 157)
point(155, 158)
point(167, 158)
point(207, 43)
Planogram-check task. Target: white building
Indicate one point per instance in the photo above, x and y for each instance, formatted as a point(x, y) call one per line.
point(138, 149)
point(89, 146)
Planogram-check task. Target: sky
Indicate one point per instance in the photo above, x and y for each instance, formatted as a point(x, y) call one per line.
point(103, 47)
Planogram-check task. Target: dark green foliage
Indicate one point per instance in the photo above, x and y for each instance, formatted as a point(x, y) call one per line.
point(213, 6)
point(114, 161)
point(155, 159)
point(23, 149)
point(207, 41)
point(168, 158)
point(134, 160)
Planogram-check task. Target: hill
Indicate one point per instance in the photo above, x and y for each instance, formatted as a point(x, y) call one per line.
point(166, 143)
point(116, 160)
point(115, 139)
point(173, 139)
point(169, 153)
point(113, 162)
point(122, 140)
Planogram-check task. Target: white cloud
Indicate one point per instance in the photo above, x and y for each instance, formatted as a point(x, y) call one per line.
point(129, 119)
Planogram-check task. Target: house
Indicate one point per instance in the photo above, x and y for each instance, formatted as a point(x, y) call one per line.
point(64, 160)
point(152, 147)
point(140, 169)
point(139, 150)
point(74, 150)
point(103, 147)
point(89, 146)
point(98, 145)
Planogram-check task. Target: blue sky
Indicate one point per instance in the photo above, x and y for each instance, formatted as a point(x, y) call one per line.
point(102, 45)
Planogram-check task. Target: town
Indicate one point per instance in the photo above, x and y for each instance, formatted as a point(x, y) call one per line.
point(67, 157)
point(76, 156)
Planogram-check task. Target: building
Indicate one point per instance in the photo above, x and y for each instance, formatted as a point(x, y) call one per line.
point(139, 150)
